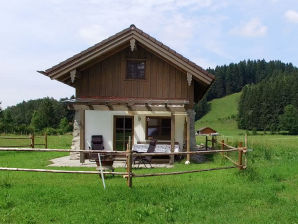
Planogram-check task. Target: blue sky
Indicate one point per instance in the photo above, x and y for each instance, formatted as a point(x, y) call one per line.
point(36, 35)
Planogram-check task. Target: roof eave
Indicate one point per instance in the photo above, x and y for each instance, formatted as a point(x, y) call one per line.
point(116, 40)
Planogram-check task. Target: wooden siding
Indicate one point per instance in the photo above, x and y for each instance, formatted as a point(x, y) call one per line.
point(107, 78)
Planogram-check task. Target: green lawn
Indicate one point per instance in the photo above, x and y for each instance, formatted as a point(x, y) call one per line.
point(266, 192)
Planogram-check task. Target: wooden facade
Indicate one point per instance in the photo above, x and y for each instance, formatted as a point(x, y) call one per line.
point(167, 83)
point(107, 79)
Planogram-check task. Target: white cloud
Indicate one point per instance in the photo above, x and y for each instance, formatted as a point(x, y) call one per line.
point(291, 16)
point(93, 34)
point(204, 63)
point(166, 20)
point(253, 28)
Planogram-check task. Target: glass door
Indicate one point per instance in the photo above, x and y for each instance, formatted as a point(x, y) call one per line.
point(123, 128)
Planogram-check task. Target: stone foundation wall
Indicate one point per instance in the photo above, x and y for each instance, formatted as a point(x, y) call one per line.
point(76, 137)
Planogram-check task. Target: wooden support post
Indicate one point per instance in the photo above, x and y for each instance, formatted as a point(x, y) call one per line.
point(245, 140)
point(45, 140)
point(184, 135)
point(82, 135)
point(240, 153)
point(188, 137)
point(172, 137)
point(206, 143)
point(32, 140)
point(129, 163)
point(222, 146)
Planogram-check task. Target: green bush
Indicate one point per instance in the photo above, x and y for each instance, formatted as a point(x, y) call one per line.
point(51, 131)
point(254, 131)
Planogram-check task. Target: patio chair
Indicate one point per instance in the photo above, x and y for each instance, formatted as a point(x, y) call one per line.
point(146, 159)
point(96, 144)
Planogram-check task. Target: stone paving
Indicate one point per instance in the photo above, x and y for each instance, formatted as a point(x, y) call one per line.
point(65, 161)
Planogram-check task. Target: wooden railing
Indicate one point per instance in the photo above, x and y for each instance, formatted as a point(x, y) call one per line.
point(32, 138)
point(129, 174)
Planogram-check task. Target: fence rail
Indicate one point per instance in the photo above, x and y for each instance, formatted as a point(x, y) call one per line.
point(129, 175)
point(32, 139)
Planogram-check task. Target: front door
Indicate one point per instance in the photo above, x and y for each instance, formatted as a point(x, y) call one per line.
point(123, 128)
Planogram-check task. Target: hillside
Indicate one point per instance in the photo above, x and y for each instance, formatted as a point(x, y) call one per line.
point(222, 115)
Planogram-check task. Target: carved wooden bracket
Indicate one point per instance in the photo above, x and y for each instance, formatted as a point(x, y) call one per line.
point(73, 75)
point(132, 44)
point(189, 78)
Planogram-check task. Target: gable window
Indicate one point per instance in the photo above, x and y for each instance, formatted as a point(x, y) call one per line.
point(135, 69)
point(158, 128)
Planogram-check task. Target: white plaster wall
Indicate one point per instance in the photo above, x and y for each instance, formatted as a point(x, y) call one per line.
point(101, 123)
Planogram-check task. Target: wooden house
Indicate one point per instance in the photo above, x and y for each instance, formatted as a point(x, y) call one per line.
point(132, 85)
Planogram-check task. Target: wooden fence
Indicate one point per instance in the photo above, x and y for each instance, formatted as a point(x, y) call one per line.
point(32, 139)
point(129, 174)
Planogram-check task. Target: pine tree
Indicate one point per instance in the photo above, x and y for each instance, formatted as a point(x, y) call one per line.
point(289, 119)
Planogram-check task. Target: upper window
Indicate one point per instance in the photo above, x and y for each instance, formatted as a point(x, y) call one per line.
point(159, 128)
point(135, 69)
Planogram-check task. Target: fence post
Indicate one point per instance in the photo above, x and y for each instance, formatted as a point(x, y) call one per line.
point(46, 140)
point(240, 153)
point(129, 163)
point(222, 146)
point(32, 140)
point(245, 141)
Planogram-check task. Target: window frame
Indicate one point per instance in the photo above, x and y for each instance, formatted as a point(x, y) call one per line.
point(159, 127)
point(124, 129)
point(134, 60)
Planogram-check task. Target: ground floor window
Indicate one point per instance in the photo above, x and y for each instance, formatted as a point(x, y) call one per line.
point(158, 128)
point(123, 128)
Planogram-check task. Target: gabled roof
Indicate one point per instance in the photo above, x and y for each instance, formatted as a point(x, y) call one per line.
point(62, 70)
point(203, 128)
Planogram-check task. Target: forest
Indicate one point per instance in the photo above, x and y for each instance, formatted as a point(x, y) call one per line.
point(233, 77)
point(269, 101)
point(271, 105)
point(40, 115)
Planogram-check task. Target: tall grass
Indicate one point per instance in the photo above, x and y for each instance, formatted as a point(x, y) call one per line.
point(264, 193)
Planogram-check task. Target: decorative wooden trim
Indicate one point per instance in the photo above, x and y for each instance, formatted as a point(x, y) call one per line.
point(109, 106)
point(167, 107)
point(189, 78)
point(132, 100)
point(91, 107)
point(148, 107)
point(129, 107)
point(132, 44)
point(73, 74)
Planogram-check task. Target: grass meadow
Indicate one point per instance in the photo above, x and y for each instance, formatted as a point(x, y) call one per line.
point(266, 192)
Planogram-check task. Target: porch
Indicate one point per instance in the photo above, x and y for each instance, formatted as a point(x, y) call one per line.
point(168, 121)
